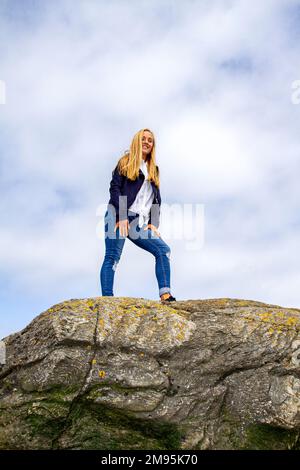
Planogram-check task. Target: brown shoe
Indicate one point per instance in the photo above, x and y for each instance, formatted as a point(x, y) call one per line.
point(169, 299)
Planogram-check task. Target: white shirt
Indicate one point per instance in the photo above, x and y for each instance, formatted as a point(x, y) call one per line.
point(144, 198)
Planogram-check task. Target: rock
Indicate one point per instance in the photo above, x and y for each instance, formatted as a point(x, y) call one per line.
point(130, 373)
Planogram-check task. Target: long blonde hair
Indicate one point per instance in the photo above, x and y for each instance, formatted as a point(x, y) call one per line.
point(129, 163)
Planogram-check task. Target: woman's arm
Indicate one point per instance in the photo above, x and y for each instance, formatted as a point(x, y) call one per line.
point(116, 198)
point(154, 215)
point(155, 208)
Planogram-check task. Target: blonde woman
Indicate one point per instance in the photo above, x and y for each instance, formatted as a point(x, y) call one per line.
point(133, 212)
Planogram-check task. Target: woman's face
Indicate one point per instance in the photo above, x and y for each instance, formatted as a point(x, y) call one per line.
point(147, 142)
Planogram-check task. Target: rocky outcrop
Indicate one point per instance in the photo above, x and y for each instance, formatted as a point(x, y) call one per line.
point(130, 373)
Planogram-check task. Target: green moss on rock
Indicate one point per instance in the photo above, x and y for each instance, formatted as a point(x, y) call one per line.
point(95, 426)
point(267, 437)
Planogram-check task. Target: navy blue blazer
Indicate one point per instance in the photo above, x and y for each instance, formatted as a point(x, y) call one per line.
point(120, 186)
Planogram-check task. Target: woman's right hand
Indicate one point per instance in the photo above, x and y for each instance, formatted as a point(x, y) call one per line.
point(123, 227)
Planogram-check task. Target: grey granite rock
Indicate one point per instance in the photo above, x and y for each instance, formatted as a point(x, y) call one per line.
point(130, 373)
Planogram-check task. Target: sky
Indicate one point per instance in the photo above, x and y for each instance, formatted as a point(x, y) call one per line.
point(213, 79)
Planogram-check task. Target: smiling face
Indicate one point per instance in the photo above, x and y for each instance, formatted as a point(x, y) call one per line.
point(147, 143)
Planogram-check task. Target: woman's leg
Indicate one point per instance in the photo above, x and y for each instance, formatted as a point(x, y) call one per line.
point(149, 241)
point(114, 244)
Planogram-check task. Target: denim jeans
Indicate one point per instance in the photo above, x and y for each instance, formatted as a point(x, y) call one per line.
point(146, 239)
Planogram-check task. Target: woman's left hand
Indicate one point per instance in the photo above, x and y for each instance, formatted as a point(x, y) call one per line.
point(152, 227)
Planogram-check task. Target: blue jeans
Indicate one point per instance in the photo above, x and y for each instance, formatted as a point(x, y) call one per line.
point(146, 239)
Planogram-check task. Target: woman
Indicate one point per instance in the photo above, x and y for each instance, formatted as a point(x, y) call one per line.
point(133, 212)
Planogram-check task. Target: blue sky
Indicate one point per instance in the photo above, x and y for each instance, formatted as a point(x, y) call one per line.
point(213, 79)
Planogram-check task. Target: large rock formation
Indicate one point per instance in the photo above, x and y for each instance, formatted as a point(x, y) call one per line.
point(130, 373)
